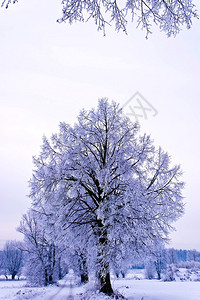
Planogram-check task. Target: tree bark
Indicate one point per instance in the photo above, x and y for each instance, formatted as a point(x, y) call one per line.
point(159, 275)
point(103, 272)
point(84, 272)
point(105, 284)
point(82, 262)
point(60, 275)
point(50, 279)
point(46, 277)
point(84, 278)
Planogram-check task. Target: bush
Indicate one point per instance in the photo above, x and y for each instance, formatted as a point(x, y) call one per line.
point(170, 273)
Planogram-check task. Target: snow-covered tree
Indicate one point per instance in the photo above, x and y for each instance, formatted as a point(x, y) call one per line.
point(170, 274)
point(182, 255)
point(12, 258)
point(168, 15)
point(76, 255)
point(112, 186)
point(123, 258)
point(42, 253)
point(172, 257)
point(192, 255)
point(158, 258)
point(80, 261)
point(3, 270)
point(150, 269)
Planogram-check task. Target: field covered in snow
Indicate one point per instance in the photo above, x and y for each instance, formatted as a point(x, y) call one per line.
point(130, 287)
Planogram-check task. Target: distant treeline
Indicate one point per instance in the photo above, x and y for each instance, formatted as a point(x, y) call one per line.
point(171, 256)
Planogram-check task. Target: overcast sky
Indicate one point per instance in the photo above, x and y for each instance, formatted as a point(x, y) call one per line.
point(49, 71)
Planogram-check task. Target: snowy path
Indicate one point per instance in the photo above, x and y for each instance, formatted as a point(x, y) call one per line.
point(68, 289)
point(64, 292)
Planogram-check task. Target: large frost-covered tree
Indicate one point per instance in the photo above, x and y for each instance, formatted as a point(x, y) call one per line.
point(112, 187)
point(167, 14)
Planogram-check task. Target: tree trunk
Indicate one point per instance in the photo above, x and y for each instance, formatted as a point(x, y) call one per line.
point(59, 269)
point(46, 277)
point(105, 284)
point(49, 271)
point(50, 279)
point(83, 268)
point(103, 272)
point(84, 278)
point(159, 275)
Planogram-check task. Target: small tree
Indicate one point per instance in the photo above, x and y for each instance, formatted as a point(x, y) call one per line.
point(170, 273)
point(3, 270)
point(77, 254)
point(42, 263)
point(192, 255)
point(168, 15)
point(80, 261)
point(160, 262)
point(112, 186)
point(159, 259)
point(150, 269)
point(13, 257)
point(172, 257)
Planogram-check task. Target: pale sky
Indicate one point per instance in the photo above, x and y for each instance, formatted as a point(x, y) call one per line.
point(49, 71)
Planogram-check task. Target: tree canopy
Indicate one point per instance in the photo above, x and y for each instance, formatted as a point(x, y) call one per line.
point(167, 14)
point(108, 187)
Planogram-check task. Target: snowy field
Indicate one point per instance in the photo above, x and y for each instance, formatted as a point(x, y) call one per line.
point(130, 287)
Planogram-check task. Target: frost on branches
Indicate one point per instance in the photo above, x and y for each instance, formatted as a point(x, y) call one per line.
point(107, 187)
point(167, 14)
point(42, 253)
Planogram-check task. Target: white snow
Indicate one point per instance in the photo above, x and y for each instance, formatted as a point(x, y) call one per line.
point(158, 290)
point(132, 287)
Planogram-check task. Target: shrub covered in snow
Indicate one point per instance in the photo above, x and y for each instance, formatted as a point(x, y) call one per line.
point(185, 271)
point(170, 273)
point(194, 265)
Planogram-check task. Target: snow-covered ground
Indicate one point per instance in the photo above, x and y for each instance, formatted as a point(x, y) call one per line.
point(158, 290)
point(131, 287)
